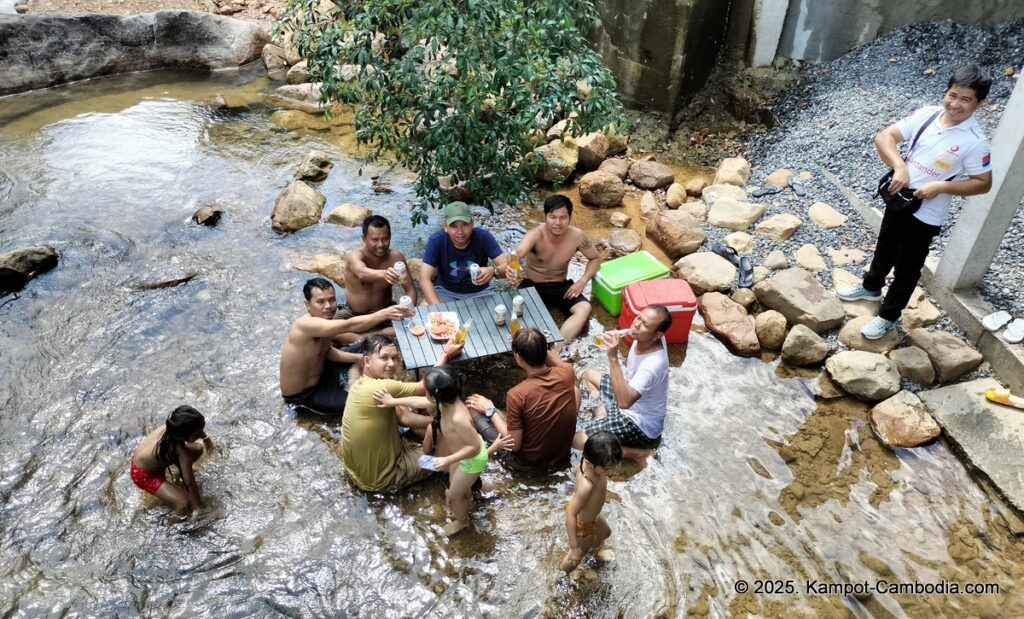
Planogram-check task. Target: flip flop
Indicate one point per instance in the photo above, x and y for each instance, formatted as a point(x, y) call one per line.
point(745, 279)
point(996, 320)
point(1014, 333)
point(1003, 396)
point(796, 184)
point(766, 190)
point(727, 252)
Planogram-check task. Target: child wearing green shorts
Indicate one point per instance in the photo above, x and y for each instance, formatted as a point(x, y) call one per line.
point(469, 452)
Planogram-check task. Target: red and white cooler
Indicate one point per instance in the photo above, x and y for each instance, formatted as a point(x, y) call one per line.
point(675, 294)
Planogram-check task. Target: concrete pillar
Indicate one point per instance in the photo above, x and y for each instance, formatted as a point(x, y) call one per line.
point(984, 220)
point(769, 18)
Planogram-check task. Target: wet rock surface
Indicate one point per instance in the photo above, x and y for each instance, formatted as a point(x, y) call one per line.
point(298, 206)
point(866, 375)
point(730, 322)
point(96, 44)
point(19, 266)
point(903, 421)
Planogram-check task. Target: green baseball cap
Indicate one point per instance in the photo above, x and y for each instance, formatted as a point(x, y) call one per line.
point(457, 211)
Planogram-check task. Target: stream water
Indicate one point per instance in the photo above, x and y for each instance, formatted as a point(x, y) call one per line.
point(758, 479)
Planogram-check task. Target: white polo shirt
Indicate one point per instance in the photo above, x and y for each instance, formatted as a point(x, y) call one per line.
point(942, 153)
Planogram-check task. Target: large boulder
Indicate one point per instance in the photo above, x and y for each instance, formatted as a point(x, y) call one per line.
point(824, 216)
point(801, 298)
point(742, 242)
point(733, 171)
point(619, 167)
point(803, 347)
point(19, 266)
point(299, 74)
point(809, 257)
point(779, 227)
point(695, 187)
point(676, 233)
point(713, 193)
point(593, 150)
point(903, 421)
point(675, 195)
point(351, 215)
point(274, 58)
point(298, 206)
point(315, 167)
point(48, 49)
point(331, 266)
point(851, 337)
point(207, 215)
point(951, 357)
point(733, 214)
point(624, 241)
point(919, 312)
point(557, 160)
point(651, 174)
point(706, 272)
point(770, 327)
point(603, 189)
point(299, 97)
point(649, 206)
point(866, 375)
point(730, 322)
point(914, 364)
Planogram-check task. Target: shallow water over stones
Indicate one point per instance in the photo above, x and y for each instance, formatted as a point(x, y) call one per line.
point(757, 479)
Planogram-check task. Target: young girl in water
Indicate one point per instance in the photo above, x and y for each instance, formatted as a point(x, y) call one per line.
point(177, 443)
point(584, 523)
point(469, 452)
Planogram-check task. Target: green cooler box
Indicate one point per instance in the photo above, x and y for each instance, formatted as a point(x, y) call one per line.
point(615, 275)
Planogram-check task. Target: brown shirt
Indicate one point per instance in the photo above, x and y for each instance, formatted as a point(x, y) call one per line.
point(544, 408)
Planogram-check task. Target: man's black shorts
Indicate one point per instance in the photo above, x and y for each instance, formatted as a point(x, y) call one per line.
point(553, 294)
point(327, 397)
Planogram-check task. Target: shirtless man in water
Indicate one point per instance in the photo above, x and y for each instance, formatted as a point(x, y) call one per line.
point(312, 369)
point(548, 248)
point(370, 276)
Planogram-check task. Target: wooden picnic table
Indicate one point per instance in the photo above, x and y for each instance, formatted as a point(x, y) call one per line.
point(485, 338)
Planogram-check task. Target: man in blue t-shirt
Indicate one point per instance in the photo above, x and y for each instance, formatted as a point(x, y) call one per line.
point(449, 253)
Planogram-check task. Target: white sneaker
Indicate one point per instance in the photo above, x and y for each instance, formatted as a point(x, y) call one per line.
point(877, 328)
point(858, 293)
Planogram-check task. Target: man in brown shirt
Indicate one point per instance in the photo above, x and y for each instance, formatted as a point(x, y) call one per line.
point(540, 412)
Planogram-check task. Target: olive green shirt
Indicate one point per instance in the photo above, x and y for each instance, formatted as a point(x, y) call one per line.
point(371, 444)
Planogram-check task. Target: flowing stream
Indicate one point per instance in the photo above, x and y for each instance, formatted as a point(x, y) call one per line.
point(758, 479)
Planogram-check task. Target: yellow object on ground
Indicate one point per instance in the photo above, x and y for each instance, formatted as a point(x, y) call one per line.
point(1003, 396)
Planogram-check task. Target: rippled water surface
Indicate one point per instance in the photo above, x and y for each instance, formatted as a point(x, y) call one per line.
point(757, 478)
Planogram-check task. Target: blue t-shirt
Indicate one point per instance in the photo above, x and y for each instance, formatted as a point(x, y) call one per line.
point(452, 264)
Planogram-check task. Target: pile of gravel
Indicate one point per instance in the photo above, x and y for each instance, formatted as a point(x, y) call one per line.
point(830, 119)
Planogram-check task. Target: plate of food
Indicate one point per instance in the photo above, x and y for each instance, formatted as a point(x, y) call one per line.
point(442, 325)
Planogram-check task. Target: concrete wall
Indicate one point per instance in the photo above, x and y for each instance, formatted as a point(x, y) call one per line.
point(821, 30)
point(660, 51)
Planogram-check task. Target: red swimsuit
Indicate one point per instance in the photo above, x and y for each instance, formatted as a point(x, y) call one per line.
point(150, 482)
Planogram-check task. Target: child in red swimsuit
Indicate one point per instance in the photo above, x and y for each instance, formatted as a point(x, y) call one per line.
point(177, 443)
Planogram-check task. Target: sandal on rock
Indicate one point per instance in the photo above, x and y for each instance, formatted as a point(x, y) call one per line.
point(796, 184)
point(996, 320)
point(745, 279)
point(1014, 333)
point(727, 252)
point(766, 190)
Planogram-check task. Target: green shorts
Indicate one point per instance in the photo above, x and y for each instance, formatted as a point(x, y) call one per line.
point(476, 464)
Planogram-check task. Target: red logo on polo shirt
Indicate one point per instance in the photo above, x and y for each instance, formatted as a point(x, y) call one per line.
point(954, 148)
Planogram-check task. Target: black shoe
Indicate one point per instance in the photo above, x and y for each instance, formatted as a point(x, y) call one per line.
point(797, 185)
point(765, 190)
point(745, 279)
point(727, 252)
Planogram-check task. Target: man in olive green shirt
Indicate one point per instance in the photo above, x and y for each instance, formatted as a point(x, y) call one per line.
point(376, 458)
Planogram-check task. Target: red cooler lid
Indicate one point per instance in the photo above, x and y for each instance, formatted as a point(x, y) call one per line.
point(673, 293)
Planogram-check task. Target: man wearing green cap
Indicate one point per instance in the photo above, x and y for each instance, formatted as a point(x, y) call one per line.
point(449, 254)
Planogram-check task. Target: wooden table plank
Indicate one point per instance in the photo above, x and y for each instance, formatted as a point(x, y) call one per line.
point(485, 339)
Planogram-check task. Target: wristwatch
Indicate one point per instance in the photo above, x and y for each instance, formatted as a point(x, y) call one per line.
point(490, 412)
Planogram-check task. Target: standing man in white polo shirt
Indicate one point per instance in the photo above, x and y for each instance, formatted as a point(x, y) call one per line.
point(947, 144)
